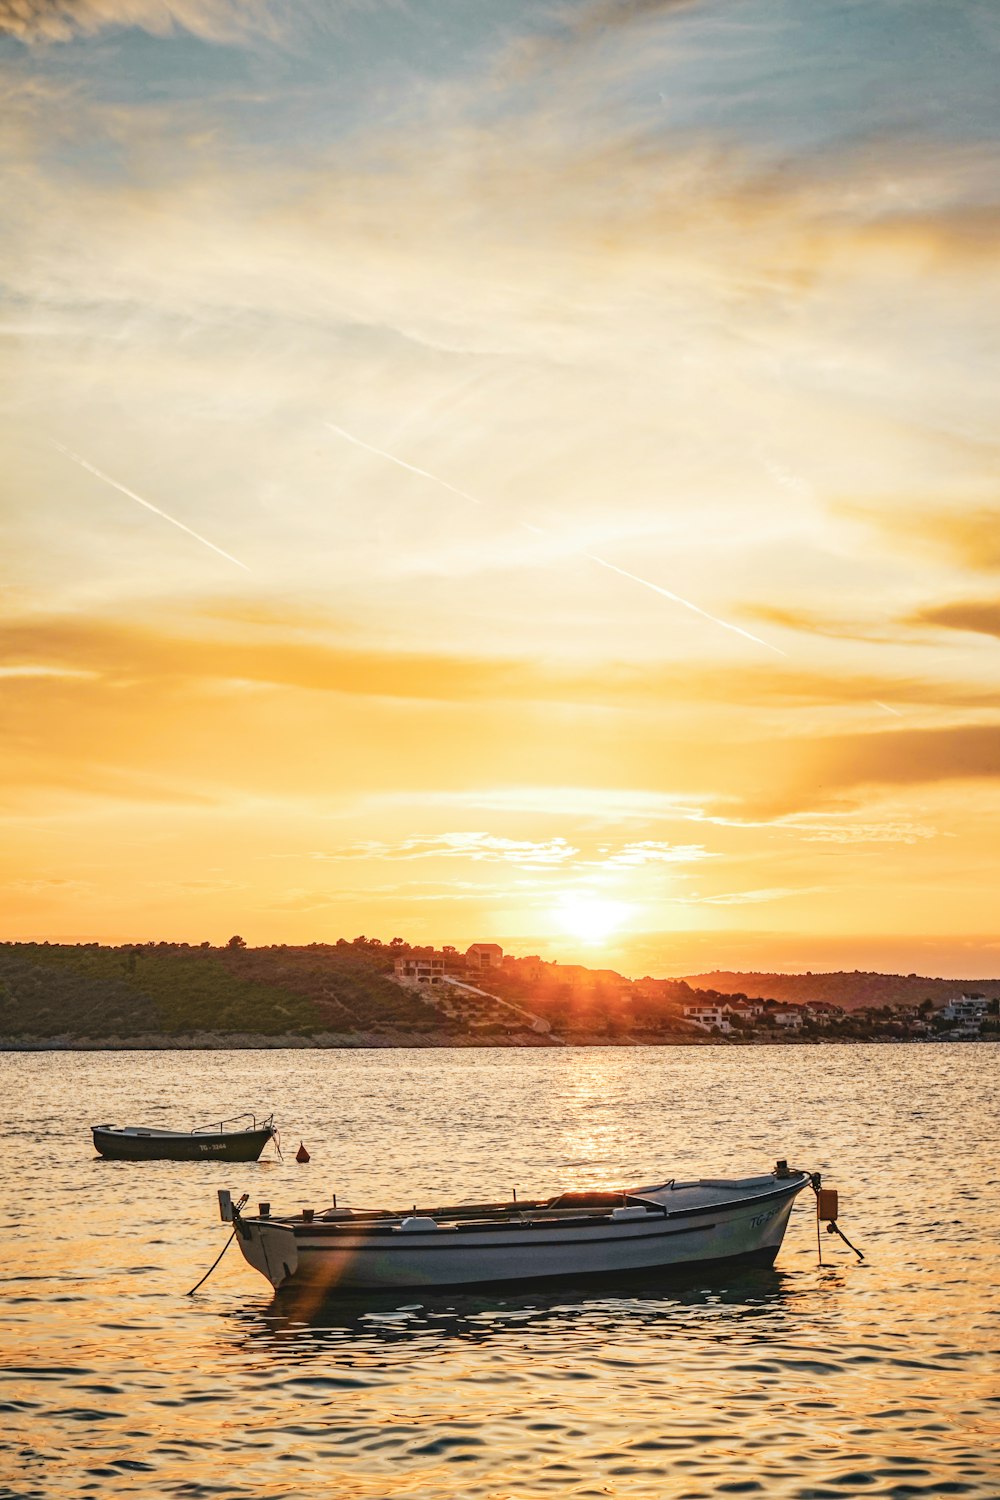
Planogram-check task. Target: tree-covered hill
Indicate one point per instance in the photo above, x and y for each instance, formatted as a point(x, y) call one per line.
point(52, 990)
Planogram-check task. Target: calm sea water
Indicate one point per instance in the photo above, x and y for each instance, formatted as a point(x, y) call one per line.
point(808, 1381)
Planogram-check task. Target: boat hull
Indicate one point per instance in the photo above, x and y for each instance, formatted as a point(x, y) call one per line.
point(336, 1257)
point(122, 1145)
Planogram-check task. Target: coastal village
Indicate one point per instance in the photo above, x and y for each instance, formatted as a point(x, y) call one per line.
point(490, 989)
point(367, 993)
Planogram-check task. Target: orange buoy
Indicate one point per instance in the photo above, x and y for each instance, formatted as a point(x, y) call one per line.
point(301, 1154)
point(826, 1204)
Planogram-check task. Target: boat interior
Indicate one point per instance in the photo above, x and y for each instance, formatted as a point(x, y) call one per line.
point(567, 1209)
point(236, 1126)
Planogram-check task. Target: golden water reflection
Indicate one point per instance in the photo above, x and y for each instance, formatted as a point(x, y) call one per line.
point(800, 1381)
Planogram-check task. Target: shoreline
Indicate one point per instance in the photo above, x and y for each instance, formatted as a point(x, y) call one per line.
point(382, 1041)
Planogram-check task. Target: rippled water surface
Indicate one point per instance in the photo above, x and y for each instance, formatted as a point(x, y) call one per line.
point(841, 1380)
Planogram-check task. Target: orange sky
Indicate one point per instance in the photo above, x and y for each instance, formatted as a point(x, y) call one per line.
point(526, 476)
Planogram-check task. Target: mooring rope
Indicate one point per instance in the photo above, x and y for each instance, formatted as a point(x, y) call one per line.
point(834, 1228)
point(236, 1224)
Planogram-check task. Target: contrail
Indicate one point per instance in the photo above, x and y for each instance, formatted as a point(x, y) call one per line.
point(381, 453)
point(540, 531)
point(658, 589)
point(124, 490)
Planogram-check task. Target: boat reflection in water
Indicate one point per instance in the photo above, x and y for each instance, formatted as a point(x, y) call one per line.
point(300, 1326)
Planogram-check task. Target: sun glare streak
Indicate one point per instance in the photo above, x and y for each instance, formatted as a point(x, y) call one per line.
point(601, 562)
point(147, 504)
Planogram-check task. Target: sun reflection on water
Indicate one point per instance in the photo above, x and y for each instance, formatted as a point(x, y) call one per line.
point(875, 1378)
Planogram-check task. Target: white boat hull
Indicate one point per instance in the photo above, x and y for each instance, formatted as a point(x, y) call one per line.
point(339, 1256)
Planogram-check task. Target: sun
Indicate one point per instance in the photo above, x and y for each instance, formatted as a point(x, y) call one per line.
point(590, 918)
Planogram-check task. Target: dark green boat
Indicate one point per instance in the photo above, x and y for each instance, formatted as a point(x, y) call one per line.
point(208, 1143)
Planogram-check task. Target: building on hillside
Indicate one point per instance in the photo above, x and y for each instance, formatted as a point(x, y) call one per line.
point(530, 969)
point(413, 969)
point(748, 1009)
point(967, 1010)
point(790, 1019)
point(820, 1012)
point(484, 956)
point(707, 1016)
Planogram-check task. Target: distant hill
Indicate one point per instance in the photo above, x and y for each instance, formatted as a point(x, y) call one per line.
point(850, 990)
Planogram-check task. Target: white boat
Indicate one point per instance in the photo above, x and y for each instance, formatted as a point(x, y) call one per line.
point(574, 1235)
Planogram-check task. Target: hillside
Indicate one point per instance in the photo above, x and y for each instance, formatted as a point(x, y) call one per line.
point(166, 994)
point(51, 990)
point(850, 990)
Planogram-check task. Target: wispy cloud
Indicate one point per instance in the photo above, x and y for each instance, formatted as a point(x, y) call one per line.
point(751, 898)
point(40, 670)
point(812, 623)
point(655, 852)
point(478, 847)
point(980, 617)
point(533, 854)
point(967, 531)
point(247, 640)
point(594, 805)
point(909, 756)
point(213, 20)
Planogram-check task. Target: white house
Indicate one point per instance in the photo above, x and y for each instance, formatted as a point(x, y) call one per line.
point(790, 1019)
point(707, 1016)
point(967, 1010)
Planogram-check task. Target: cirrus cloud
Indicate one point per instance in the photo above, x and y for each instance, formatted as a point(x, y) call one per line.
point(484, 847)
point(61, 20)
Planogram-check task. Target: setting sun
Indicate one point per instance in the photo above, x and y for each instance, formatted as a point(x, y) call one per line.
point(590, 918)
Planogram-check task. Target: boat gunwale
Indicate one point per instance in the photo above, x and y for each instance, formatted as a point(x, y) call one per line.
point(378, 1231)
point(154, 1133)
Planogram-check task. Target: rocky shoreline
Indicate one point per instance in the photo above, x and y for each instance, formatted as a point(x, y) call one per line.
point(364, 1041)
point(323, 1041)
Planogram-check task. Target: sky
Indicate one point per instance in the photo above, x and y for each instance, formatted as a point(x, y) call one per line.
point(519, 473)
